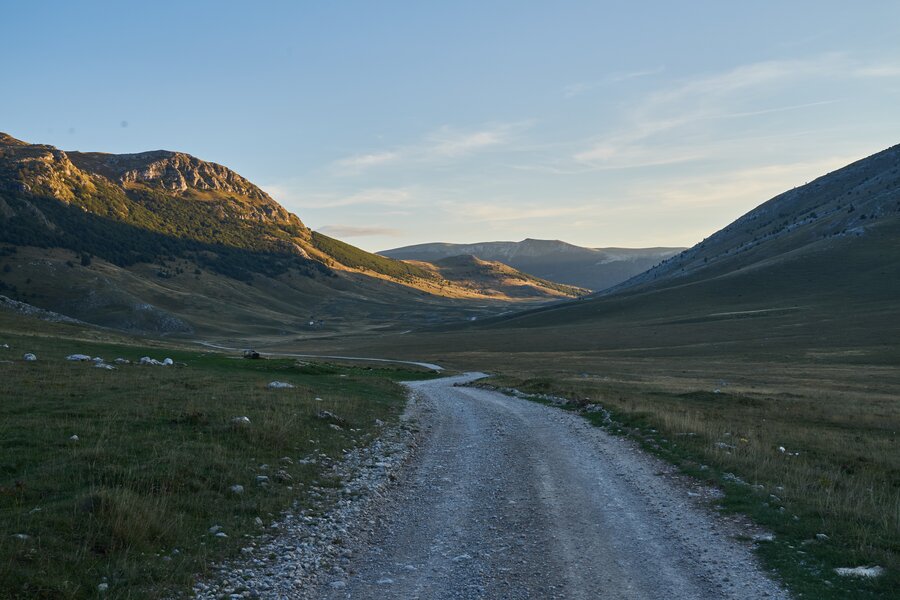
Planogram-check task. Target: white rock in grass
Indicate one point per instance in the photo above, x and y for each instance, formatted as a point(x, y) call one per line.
point(29, 357)
point(102, 587)
point(102, 365)
point(280, 385)
point(237, 489)
point(97, 359)
point(241, 421)
point(168, 362)
point(869, 572)
point(215, 529)
point(221, 534)
point(74, 438)
point(146, 360)
point(24, 537)
point(122, 361)
point(78, 357)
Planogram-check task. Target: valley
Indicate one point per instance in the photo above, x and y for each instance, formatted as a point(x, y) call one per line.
point(760, 364)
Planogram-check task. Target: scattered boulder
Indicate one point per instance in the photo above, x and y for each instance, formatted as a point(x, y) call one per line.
point(252, 354)
point(78, 357)
point(97, 359)
point(237, 489)
point(867, 572)
point(29, 357)
point(102, 365)
point(168, 362)
point(5, 346)
point(74, 438)
point(241, 421)
point(146, 360)
point(279, 385)
point(327, 415)
point(122, 361)
point(102, 587)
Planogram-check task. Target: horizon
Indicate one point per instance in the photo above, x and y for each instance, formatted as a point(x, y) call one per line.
point(592, 125)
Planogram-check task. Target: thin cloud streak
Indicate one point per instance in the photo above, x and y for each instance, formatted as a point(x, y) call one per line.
point(346, 231)
point(440, 146)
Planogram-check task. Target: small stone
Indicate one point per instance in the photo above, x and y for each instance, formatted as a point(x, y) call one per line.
point(337, 585)
point(385, 581)
point(102, 587)
point(262, 479)
point(241, 421)
point(221, 534)
point(29, 357)
point(237, 489)
point(168, 362)
point(23, 537)
point(821, 537)
point(280, 385)
point(215, 529)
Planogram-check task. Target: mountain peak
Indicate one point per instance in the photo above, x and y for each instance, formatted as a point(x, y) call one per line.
point(176, 172)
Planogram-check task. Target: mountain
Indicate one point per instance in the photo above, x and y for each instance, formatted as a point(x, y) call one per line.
point(167, 242)
point(813, 272)
point(554, 260)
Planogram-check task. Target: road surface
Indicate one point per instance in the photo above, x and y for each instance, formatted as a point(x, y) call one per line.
point(512, 499)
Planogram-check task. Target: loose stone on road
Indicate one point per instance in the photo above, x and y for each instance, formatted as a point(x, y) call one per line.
point(508, 498)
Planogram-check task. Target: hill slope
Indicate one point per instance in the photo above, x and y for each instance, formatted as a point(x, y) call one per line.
point(99, 236)
point(554, 260)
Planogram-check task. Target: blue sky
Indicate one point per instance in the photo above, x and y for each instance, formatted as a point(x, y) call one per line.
point(391, 123)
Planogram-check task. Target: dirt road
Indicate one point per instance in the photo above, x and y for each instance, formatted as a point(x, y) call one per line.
point(512, 499)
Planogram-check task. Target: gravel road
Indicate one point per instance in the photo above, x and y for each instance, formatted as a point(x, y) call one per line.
point(507, 498)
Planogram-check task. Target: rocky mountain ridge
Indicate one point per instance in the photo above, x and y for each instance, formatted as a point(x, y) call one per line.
point(174, 216)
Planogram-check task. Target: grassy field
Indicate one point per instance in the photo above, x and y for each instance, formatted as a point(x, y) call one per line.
point(131, 501)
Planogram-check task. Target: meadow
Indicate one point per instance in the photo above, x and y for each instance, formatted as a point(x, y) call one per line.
point(116, 476)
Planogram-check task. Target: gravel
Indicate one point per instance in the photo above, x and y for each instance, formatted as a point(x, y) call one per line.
point(499, 497)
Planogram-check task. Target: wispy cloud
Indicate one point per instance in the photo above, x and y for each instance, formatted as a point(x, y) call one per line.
point(741, 187)
point(441, 145)
point(345, 231)
point(499, 212)
point(669, 125)
point(449, 142)
point(580, 87)
point(364, 161)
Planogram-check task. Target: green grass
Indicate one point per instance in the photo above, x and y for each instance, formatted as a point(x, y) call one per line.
point(353, 257)
point(840, 474)
point(131, 501)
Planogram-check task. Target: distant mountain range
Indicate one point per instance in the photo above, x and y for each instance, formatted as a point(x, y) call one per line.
point(554, 260)
point(164, 241)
